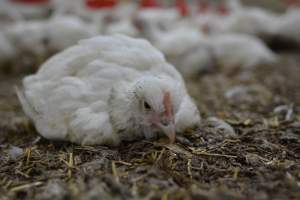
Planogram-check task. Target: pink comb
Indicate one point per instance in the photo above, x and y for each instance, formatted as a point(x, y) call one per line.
point(168, 105)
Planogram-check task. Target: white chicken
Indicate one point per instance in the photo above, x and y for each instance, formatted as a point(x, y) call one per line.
point(193, 52)
point(67, 6)
point(248, 20)
point(152, 20)
point(186, 48)
point(288, 25)
point(240, 19)
point(28, 37)
point(124, 27)
point(108, 89)
point(125, 10)
point(66, 30)
point(97, 14)
point(8, 14)
point(237, 50)
point(29, 9)
point(211, 23)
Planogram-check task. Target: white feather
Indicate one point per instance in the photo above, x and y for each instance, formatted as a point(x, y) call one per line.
point(85, 94)
point(64, 31)
point(236, 50)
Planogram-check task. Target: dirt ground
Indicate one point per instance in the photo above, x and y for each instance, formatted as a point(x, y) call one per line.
point(258, 159)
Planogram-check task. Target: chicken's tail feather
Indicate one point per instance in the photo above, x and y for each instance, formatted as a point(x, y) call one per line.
point(27, 107)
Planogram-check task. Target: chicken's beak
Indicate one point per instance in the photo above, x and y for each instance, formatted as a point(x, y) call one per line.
point(168, 130)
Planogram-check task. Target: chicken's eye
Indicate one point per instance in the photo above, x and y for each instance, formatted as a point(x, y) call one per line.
point(147, 106)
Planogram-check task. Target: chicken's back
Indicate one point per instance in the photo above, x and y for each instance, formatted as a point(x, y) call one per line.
point(70, 92)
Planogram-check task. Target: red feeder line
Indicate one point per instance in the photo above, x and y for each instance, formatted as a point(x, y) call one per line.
point(182, 7)
point(101, 4)
point(149, 4)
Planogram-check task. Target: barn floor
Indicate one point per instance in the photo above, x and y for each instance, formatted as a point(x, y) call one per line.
point(261, 160)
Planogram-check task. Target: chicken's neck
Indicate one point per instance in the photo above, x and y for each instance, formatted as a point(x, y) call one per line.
point(122, 105)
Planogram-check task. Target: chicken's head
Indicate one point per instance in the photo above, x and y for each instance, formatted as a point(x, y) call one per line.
point(156, 103)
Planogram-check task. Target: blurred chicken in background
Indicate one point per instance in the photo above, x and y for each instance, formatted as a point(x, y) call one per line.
point(188, 32)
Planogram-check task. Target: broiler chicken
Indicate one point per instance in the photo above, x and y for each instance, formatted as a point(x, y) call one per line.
point(237, 50)
point(151, 20)
point(249, 20)
point(288, 25)
point(233, 17)
point(124, 27)
point(28, 9)
point(187, 49)
point(73, 7)
point(105, 90)
point(64, 31)
point(28, 37)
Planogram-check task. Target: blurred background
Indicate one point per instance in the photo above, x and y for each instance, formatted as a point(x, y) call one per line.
point(33, 30)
